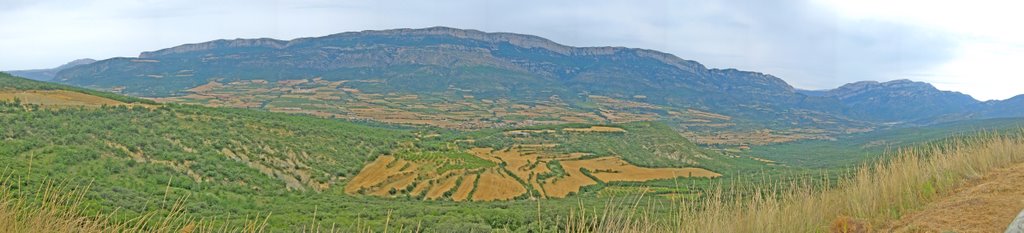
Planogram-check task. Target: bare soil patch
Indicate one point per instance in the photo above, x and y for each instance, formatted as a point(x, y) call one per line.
point(986, 204)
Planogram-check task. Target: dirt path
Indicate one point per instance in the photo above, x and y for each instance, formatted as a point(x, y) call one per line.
point(987, 204)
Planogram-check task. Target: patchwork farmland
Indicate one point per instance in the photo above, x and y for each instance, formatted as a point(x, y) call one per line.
point(463, 110)
point(520, 171)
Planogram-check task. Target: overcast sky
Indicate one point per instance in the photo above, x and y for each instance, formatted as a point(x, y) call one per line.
point(968, 46)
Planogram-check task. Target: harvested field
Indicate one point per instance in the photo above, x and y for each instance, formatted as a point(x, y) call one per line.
point(57, 98)
point(396, 182)
point(342, 100)
point(421, 188)
point(447, 182)
point(206, 87)
point(597, 129)
point(610, 169)
point(551, 174)
point(515, 161)
point(569, 184)
point(468, 183)
point(757, 137)
point(707, 115)
point(497, 186)
point(377, 173)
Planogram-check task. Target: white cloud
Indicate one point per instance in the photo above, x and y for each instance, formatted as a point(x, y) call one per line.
point(989, 46)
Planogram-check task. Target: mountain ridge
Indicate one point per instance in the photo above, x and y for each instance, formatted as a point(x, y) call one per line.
point(49, 74)
point(522, 40)
point(903, 100)
point(523, 68)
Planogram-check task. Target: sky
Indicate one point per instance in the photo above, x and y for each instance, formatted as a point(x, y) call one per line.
point(967, 46)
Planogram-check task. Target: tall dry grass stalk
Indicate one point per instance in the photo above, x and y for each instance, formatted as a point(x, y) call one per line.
point(873, 196)
point(619, 215)
point(57, 207)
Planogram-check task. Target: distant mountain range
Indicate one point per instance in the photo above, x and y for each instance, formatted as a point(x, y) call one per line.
point(917, 102)
point(48, 74)
point(525, 68)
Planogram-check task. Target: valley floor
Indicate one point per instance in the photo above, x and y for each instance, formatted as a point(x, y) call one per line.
point(985, 204)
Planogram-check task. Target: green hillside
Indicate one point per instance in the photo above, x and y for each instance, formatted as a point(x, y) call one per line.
point(231, 163)
point(9, 82)
point(648, 144)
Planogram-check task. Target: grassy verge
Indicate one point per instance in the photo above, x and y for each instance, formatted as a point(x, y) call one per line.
point(871, 197)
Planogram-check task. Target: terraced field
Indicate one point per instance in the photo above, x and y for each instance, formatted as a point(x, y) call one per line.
point(520, 171)
point(461, 109)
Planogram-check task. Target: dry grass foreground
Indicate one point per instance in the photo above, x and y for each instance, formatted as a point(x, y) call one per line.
point(58, 208)
point(912, 185)
point(525, 168)
point(58, 98)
